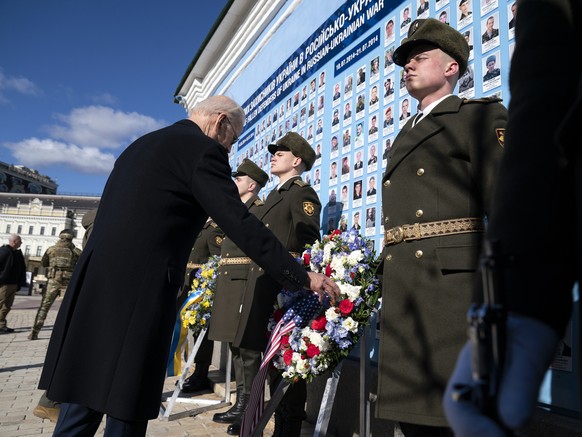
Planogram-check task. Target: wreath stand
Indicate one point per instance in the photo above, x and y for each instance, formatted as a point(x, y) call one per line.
point(329, 393)
point(202, 404)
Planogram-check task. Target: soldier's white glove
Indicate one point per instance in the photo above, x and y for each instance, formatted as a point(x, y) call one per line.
point(531, 346)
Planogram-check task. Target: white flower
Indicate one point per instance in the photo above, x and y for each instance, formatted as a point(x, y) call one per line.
point(330, 314)
point(350, 324)
point(337, 265)
point(302, 366)
point(355, 257)
point(318, 340)
point(351, 291)
point(327, 252)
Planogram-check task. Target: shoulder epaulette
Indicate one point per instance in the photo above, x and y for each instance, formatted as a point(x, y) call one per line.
point(491, 99)
point(301, 183)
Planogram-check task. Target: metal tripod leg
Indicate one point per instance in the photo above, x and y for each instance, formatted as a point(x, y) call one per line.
point(205, 404)
point(365, 401)
point(327, 402)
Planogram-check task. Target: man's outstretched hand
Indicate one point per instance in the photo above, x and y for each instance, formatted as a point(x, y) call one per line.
point(323, 286)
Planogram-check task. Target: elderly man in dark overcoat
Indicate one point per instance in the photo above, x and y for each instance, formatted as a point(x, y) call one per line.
point(230, 288)
point(108, 351)
point(436, 192)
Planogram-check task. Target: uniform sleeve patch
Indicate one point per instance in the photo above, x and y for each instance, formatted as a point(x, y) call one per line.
point(308, 208)
point(218, 241)
point(500, 136)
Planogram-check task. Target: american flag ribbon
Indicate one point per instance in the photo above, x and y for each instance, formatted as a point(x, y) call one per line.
point(298, 315)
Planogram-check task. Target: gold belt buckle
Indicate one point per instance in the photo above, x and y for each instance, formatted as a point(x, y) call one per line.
point(398, 234)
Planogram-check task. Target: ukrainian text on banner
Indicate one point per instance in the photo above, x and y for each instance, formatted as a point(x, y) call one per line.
point(343, 27)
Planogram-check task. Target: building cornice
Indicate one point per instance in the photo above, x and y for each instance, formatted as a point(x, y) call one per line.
point(234, 34)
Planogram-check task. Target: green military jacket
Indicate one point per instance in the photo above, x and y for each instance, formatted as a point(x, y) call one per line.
point(293, 214)
point(230, 285)
point(443, 168)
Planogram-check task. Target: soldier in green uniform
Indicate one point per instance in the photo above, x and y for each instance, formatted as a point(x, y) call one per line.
point(292, 212)
point(230, 288)
point(60, 260)
point(207, 244)
point(436, 191)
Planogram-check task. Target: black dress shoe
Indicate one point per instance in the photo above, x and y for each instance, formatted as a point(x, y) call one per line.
point(235, 412)
point(234, 427)
point(192, 385)
point(6, 330)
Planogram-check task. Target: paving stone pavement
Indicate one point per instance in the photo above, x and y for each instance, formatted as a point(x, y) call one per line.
point(21, 362)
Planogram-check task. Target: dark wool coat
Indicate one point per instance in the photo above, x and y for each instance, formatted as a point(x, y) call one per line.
point(12, 266)
point(112, 335)
point(293, 214)
point(540, 176)
point(230, 287)
point(443, 168)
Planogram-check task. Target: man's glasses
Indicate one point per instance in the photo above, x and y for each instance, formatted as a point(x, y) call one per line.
point(235, 136)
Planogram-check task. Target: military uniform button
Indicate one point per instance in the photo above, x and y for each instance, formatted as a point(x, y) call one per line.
point(266, 225)
point(386, 219)
point(260, 269)
point(226, 273)
point(387, 183)
point(420, 171)
point(418, 254)
point(419, 213)
point(389, 257)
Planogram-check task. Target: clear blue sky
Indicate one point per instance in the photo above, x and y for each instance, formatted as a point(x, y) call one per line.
point(81, 79)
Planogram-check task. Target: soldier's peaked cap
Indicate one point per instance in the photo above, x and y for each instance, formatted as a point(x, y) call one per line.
point(296, 144)
point(434, 32)
point(252, 170)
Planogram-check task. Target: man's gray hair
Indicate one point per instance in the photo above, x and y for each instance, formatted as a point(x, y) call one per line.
point(221, 104)
point(13, 237)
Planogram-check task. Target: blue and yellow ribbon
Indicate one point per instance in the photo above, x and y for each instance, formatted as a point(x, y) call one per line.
point(179, 347)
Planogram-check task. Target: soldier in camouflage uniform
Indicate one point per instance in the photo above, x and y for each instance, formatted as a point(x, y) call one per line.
point(60, 259)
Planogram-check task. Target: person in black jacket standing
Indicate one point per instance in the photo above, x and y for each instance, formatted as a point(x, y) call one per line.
point(12, 277)
point(540, 257)
point(110, 343)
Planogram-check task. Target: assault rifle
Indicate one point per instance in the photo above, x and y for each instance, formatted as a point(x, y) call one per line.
point(487, 334)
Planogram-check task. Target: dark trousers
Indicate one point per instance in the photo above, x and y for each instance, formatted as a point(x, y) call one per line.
point(246, 366)
point(414, 430)
point(78, 421)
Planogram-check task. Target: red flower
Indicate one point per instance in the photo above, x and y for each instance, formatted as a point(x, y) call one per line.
point(346, 306)
point(285, 341)
point(312, 351)
point(288, 356)
point(306, 258)
point(336, 232)
point(319, 323)
point(328, 271)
